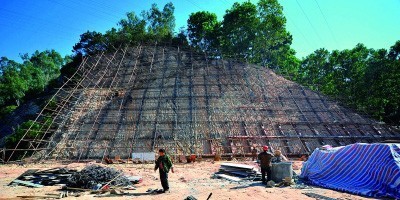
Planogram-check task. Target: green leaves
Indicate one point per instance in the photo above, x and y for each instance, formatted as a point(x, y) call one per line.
point(255, 33)
point(203, 30)
point(154, 25)
point(365, 79)
point(239, 30)
point(29, 78)
point(90, 43)
point(12, 84)
point(272, 45)
point(160, 24)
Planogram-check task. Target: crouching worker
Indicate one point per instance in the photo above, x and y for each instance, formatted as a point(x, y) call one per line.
point(278, 157)
point(164, 164)
point(264, 158)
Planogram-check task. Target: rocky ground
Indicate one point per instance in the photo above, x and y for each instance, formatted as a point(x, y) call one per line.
point(189, 179)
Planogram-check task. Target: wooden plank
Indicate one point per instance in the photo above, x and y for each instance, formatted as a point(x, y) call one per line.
point(26, 173)
point(249, 167)
point(227, 177)
point(27, 183)
point(38, 197)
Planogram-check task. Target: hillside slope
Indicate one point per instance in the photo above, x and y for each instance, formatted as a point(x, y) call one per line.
point(139, 99)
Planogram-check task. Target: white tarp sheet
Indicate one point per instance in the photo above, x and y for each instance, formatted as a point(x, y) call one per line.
point(144, 156)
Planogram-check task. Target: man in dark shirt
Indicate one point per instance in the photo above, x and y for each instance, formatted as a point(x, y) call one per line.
point(164, 164)
point(264, 159)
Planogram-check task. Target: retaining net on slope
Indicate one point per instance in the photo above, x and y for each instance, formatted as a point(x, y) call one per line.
point(139, 99)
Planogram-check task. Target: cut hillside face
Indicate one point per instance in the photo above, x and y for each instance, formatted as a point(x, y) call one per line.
point(148, 97)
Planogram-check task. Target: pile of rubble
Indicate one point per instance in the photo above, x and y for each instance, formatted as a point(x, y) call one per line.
point(96, 177)
point(92, 177)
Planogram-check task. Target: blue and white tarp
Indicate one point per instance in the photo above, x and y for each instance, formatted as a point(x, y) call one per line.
point(364, 169)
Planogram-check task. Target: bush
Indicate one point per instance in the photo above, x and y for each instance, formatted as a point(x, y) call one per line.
point(7, 110)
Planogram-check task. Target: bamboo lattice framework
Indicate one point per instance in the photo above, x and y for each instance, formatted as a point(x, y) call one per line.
point(139, 99)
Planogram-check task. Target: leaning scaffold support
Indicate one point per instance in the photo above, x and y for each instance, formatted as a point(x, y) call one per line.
point(70, 79)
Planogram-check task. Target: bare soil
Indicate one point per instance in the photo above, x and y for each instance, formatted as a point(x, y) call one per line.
point(189, 179)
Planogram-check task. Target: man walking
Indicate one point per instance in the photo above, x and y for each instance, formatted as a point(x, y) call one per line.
point(164, 164)
point(264, 158)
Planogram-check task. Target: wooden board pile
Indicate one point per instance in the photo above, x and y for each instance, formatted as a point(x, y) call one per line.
point(238, 172)
point(36, 178)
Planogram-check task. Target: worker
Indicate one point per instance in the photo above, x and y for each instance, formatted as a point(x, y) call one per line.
point(254, 153)
point(264, 159)
point(278, 157)
point(164, 164)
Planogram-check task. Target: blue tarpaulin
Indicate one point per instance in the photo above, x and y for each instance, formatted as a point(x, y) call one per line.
point(364, 169)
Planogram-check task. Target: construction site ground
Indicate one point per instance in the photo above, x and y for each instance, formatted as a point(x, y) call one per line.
point(189, 179)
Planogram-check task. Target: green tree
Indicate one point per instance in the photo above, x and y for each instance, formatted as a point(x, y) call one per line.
point(394, 53)
point(133, 30)
point(365, 79)
point(160, 24)
point(290, 65)
point(12, 85)
point(49, 62)
point(90, 43)
point(348, 72)
point(315, 68)
point(239, 30)
point(272, 43)
point(71, 65)
point(35, 78)
point(382, 83)
point(181, 38)
point(203, 30)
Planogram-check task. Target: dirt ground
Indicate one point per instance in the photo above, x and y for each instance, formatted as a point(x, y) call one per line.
point(189, 179)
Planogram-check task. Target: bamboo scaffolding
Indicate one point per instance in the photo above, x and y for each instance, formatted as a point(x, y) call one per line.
point(139, 99)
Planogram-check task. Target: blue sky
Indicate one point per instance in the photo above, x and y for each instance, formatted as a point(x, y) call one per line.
point(27, 26)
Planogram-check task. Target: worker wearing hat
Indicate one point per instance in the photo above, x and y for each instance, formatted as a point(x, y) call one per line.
point(264, 159)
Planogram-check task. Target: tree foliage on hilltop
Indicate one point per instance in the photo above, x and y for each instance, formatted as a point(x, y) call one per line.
point(151, 26)
point(22, 80)
point(203, 30)
point(365, 79)
point(255, 33)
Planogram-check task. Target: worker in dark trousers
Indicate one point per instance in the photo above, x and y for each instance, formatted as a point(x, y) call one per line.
point(264, 159)
point(164, 164)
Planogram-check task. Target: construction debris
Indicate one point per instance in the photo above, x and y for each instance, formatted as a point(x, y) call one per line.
point(93, 177)
point(27, 183)
point(47, 196)
point(134, 179)
point(97, 177)
point(191, 197)
point(271, 183)
point(36, 178)
point(237, 172)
